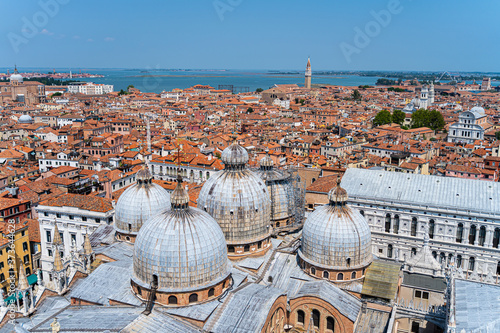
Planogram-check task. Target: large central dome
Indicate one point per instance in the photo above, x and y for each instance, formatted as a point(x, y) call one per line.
point(238, 200)
point(137, 204)
point(183, 253)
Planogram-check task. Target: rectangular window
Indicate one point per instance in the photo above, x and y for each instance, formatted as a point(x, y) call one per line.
point(425, 295)
point(2, 277)
point(25, 246)
point(49, 252)
point(45, 214)
point(23, 233)
point(97, 220)
point(418, 294)
point(84, 218)
point(71, 217)
point(1, 264)
point(58, 215)
point(48, 236)
point(26, 259)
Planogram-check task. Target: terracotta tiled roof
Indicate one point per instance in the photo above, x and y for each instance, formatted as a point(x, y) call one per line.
point(95, 204)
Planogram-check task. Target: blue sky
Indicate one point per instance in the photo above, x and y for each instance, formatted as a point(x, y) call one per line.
point(243, 34)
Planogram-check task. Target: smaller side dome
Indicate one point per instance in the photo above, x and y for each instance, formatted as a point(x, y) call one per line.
point(234, 156)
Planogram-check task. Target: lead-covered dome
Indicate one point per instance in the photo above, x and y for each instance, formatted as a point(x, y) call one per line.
point(180, 250)
point(281, 191)
point(478, 109)
point(238, 200)
point(25, 119)
point(138, 203)
point(335, 236)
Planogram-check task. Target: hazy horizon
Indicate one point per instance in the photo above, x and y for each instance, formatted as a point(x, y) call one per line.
point(394, 35)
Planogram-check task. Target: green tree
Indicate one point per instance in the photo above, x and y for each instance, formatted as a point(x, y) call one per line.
point(130, 86)
point(420, 118)
point(259, 90)
point(249, 110)
point(425, 118)
point(356, 95)
point(56, 94)
point(398, 117)
point(436, 120)
point(382, 118)
point(122, 92)
point(497, 135)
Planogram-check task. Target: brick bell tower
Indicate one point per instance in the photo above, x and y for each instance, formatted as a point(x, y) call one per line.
point(307, 83)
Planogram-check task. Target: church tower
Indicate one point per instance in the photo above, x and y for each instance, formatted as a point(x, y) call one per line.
point(307, 84)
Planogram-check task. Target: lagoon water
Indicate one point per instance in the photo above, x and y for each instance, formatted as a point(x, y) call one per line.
point(157, 80)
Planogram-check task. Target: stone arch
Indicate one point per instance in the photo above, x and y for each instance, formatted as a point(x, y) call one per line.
point(193, 298)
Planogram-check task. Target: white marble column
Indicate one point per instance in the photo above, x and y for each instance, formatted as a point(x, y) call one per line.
point(488, 242)
point(465, 235)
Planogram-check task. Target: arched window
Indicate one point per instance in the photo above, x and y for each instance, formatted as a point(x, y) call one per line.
point(431, 229)
point(496, 238)
point(330, 324)
point(348, 262)
point(230, 249)
point(301, 317)
point(389, 251)
point(388, 223)
point(326, 275)
point(193, 298)
point(460, 233)
point(208, 174)
point(362, 212)
point(414, 226)
point(172, 300)
point(259, 244)
point(413, 251)
point(498, 268)
point(277, 224)
point(139, 290)
point(482, 235)
point(434, 254)
point(246, 248)
point(353, 275)
point(313, 271)
point(316, 317)
point(155, 280)
point(472, 261)
point(340, 277)
point(395, 228)
point(211, 292)
point(472, 234)
point(459, 260)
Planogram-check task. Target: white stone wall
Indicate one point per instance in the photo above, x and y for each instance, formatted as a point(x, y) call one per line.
point(48, 216)
point(444, 241)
